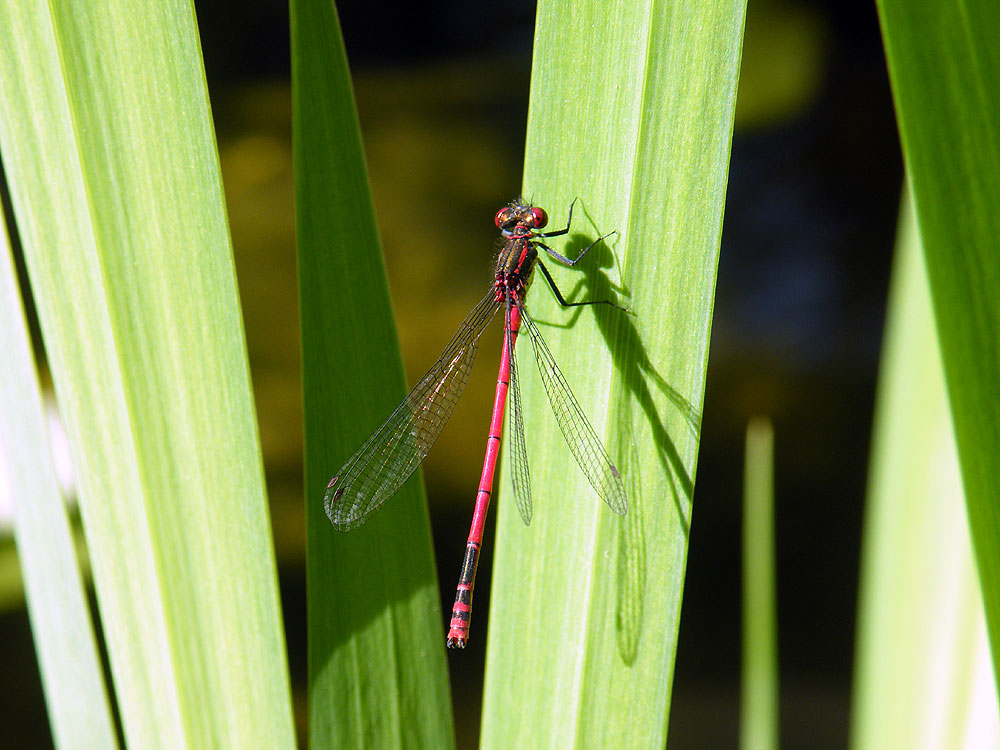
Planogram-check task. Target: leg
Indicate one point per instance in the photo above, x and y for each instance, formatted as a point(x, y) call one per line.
point(561, 300)
point(566, 261)
point(560, 232)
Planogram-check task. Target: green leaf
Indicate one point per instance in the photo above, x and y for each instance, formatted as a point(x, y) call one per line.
point(111, 160)
point(944, 67)
point(377, 671)
point(77, 701)
point(923, 673)
point(631, 111)
point(759, 691)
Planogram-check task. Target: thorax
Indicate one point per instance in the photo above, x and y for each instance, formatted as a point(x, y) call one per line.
point(515, 264)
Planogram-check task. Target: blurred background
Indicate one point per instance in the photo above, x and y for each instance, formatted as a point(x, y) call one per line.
point(442, 91)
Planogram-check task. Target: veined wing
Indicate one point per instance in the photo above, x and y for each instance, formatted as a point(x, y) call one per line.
point(580, 436)
point(394, 451)
point(519, 475)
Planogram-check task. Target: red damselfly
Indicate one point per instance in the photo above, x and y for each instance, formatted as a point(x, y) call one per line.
point(392, 453)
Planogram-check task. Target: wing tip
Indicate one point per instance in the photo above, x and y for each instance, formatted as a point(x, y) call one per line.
point(615, 493)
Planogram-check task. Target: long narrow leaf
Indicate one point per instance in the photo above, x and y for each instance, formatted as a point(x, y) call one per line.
point(759, 689)
point(109, 150)
point(75, 695)
point(944, 69)
point(376, 646)
point(923, 673)
point(631, 111)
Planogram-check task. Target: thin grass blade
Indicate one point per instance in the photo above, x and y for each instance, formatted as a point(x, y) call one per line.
point(75, 694)
point(759, 690)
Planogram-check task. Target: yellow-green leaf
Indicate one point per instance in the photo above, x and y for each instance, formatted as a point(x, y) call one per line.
point(110, 154)
point(631, 111)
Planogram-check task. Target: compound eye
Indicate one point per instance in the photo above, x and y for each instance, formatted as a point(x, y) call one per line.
point(539, 217)
point(502, 217)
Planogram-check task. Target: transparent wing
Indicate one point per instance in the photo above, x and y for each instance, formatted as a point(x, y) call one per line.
point(394, 451)
point(519, 452)
point(580, 436)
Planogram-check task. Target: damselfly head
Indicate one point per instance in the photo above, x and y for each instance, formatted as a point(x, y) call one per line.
point(517, 213)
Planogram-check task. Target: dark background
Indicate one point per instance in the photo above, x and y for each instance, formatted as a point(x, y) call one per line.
point(810, 219)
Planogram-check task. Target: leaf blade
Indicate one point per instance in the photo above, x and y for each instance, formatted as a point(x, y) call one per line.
point(119, 205)
point(942, 64)
point(376, 646)
point(75, 693)
point(584, 602)
point(922, 668)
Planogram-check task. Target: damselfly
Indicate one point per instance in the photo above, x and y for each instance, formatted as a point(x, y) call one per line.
point(392, 453)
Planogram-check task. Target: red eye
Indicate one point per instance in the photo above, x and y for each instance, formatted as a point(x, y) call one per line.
point(539, 217)
point(501, 216)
